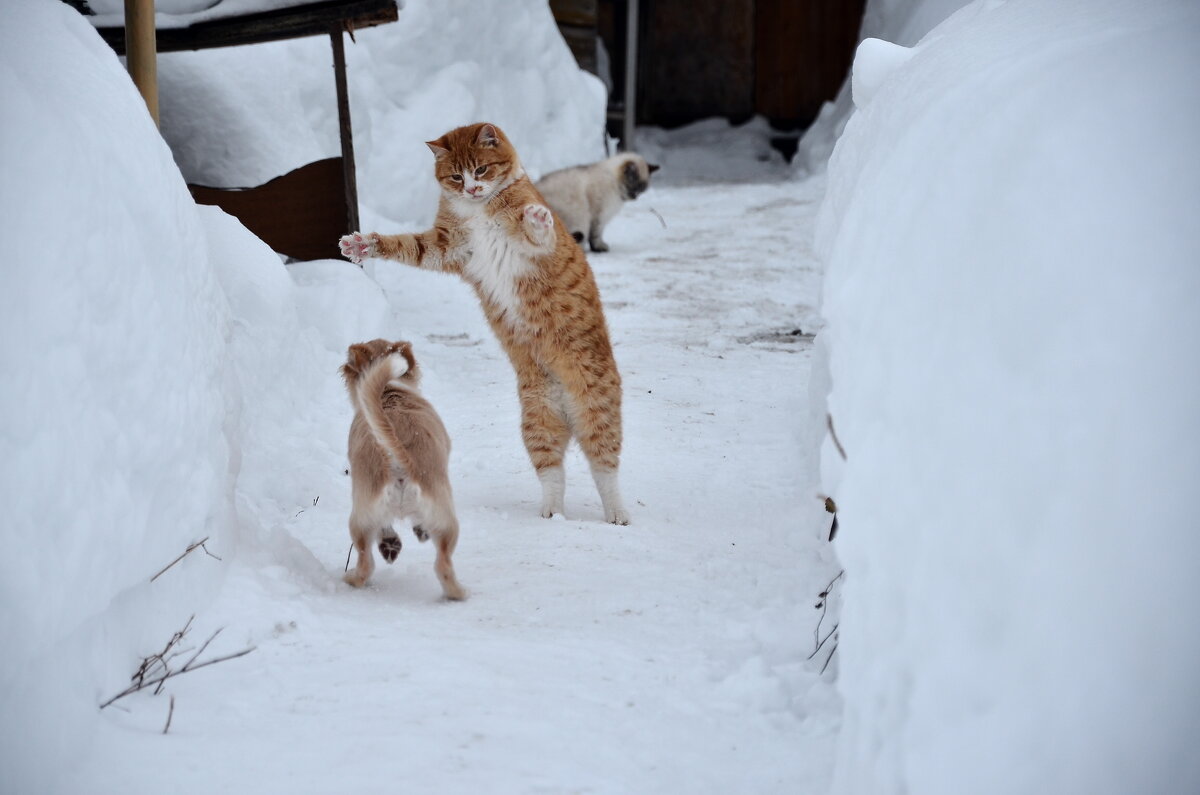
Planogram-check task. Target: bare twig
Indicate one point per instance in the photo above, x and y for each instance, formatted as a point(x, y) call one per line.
point(833, 435)
point(660, 218)
point(170, 712)
point(348, 551)
point(161, 658)
point(134, 688)
point(824, 605)
point(827, 659)
point(186, 552)
point(155, 670)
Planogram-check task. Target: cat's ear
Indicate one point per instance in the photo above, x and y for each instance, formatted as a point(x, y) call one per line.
point(487, 136)
point(652, 168)
point(438, 148)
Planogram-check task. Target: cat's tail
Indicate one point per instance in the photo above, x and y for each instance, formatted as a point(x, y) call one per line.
point(369, 397)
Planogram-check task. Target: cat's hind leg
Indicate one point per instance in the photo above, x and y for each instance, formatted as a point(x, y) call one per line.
point(598, 430)
point(546, 433)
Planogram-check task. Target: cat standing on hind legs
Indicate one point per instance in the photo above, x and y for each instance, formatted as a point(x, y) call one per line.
point(539, 295)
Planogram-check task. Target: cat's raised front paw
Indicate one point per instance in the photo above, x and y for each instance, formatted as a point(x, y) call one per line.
point(539, 218)
point(357, 247)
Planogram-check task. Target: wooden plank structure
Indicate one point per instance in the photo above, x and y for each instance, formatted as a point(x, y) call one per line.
point(304, 212)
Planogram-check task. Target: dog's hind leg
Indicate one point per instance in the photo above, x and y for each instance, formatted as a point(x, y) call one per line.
point(389, 545)
point(445, 539)
point(363, 536)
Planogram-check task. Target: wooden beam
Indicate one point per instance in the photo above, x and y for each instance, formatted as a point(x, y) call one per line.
point(142, 60)
point(312, 19)
point(349, 180)
point(301, 214)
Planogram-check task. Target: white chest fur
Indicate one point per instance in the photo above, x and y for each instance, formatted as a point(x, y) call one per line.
point(496, 263)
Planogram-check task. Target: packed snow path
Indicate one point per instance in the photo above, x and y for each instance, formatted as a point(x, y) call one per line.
point(666, 656)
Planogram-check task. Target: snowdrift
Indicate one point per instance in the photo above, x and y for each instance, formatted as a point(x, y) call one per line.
point(154, 368)
point(1013, 321)
point(233, 122)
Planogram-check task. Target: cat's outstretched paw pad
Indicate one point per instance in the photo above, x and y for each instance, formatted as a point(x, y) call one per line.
point(539, 218)
point(357, 247)
point(389, 547)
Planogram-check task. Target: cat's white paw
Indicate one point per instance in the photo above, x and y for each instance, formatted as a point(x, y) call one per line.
point(357, 247)
point(539, 218)
point(616, 516)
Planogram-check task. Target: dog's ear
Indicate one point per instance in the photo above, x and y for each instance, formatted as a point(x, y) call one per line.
point(652, 167)
point(405, 349)
point(358, 356)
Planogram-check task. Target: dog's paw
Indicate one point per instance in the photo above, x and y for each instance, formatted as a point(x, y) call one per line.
point(357, 247)
point(420, 533)
point(538, 218)
point(389, 547)
point(355, 579)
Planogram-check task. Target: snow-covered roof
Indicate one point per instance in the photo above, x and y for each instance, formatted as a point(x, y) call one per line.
point(170, 14)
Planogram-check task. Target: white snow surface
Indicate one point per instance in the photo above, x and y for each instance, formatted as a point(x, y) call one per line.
point(1013, 318)
point(168, 380)
point(240, 116)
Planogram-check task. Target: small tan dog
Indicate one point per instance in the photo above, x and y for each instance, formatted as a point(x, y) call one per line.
point(399, 451)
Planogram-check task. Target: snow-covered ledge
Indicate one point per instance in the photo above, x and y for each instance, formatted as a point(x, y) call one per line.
point(1013, 312)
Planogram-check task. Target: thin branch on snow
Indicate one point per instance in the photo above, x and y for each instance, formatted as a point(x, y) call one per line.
point(148, 674)
point(348, 551)
point(660, 218)
point(827, 659)
point(186, 552)
point(824, 607)
point(833, 435)
point(170, 712)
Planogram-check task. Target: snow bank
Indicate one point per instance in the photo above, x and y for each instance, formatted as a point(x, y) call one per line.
point(233, 121)
point(898, 22)
point(156, 372)
point(1013, 317)
point(113, 408)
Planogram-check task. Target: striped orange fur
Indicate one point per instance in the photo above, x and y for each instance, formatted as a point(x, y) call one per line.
point(538, 292)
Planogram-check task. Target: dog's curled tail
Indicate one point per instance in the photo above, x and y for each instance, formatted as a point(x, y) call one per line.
point(369, 397)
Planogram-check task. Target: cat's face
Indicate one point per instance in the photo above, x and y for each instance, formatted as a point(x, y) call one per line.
point(473, 162)
point(635, 176)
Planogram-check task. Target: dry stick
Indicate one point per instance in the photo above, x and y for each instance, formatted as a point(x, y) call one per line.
point(160, 658)
point(170, 712)
point(134, 688)
point(827, 659)
point(660, 218)
point(833, 435)
point(824, 597)
point(348, 551)
point(186, 552)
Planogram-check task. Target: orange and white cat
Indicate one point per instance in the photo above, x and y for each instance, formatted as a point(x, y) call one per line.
point(539, 295)
point(399, 452)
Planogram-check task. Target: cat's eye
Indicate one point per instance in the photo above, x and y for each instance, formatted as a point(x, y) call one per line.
point(480, 171)
point(456, 177)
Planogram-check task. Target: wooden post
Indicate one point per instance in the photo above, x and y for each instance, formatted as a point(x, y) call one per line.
point(141, 51)
point(343, 101)
point(631, 59)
